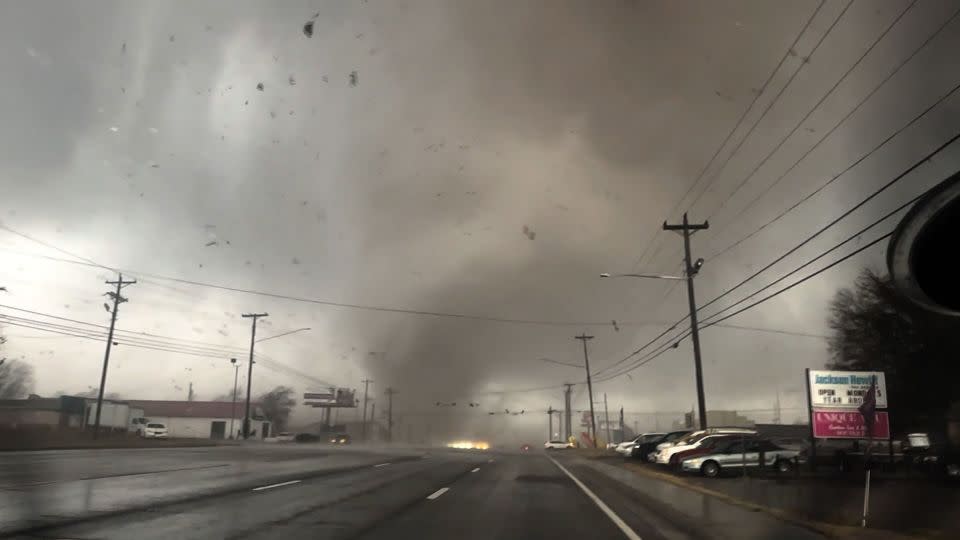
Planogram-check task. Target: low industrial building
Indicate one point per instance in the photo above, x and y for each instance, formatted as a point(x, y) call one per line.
point(204, 419)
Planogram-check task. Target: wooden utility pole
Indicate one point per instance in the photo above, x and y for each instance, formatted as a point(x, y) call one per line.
point(606, 416)
point(687, 229)
point(363, 423)
point(117, 300)
point(586, 360)
point(253, 339)
point(390, 392)
point(567, 419)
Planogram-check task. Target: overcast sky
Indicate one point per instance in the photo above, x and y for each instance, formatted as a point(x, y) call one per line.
point(481, 158)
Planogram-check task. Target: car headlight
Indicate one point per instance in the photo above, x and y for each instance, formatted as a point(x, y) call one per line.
point(695, 462)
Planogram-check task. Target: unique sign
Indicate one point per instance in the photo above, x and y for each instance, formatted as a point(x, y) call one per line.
point(845, 389)
point(836, 424)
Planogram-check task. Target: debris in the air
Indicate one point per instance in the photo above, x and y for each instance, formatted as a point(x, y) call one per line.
point(303, 203)
point(292, 80)
point(358, 36)
point(529, 233)
point(809, 130)
point(123, 90)
point(211, 243)
point(123, 47)
point(273, 114)
point(291, 112)
point(153, 130)
point(208, 27)
point(155, 165)
point(106, 306)
point(373, 51)
point(172, 38)
point(354, 78)
point(201, 265)
point(615, 327)
point(246, 263)
point(325, 79)
point(114, 129)
point(260, 86)
point(295, 261)
point(308, 29)
point(471, 192)
point(246, 102)
point(222, 332)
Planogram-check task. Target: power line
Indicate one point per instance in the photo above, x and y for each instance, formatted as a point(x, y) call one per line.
point(676, 339)
point(345, 305)
point(826, 135)
point(817, 105)
point(789, 252)
point(796, 72)
point(735, 127)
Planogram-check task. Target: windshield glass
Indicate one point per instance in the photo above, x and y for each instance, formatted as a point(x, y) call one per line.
point(359, 253)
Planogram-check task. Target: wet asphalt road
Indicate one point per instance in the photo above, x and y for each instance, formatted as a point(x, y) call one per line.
point(317, 492)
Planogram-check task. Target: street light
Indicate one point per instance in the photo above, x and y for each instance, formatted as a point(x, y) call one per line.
point(284, 334)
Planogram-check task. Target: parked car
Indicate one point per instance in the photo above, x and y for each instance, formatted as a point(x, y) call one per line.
point(734, 454)
point(663, 456)
point(643, 449)
point(285, 436)
point(557, 445)
point(708, 445)
point(154, 430)
point(306, 438)
point(627, 448)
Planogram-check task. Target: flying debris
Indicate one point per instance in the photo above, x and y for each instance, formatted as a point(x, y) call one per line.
point(292, 80)
point(529, 233)
point(354, 78)
point(260, 86)
point(615, 327)
point(308, 29)
point(106, 307)
point(211, 243)
point(172, 38)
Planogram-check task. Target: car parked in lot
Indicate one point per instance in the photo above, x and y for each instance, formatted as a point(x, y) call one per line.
point(557, 445)
point(154, 430)
point(285, 436)
point(708, 445)
point(626, 449)
point(696, 439)
point(735, 454)
point(643, 449)
point(340, 438)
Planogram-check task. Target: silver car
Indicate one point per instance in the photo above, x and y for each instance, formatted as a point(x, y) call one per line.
point(736, 454)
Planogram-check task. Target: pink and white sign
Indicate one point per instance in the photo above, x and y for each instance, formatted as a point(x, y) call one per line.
point(848, 425)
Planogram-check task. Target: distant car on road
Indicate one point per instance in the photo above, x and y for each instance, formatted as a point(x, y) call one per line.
point(525, 448)
point(340, 438)
point(557, 445)
point(735, 454)
point(154, 430)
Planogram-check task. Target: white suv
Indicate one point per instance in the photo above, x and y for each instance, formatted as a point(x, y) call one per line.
point(695, 439)
point(557, 445)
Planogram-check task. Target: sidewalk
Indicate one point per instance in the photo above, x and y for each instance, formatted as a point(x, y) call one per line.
point(907, 509)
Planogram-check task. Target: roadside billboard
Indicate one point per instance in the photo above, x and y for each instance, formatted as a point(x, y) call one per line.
point(844, 389)
point(837, 424)
point(335, 397)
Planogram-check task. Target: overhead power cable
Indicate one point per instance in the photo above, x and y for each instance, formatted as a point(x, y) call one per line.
point(736, 126)
point(828, 134)
point(776, 98)
point(816, 106)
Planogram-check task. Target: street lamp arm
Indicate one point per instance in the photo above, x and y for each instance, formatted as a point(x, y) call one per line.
point(648, 276)
point(283, 334)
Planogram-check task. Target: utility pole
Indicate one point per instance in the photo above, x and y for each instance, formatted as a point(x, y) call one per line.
point(623, 435)
point(363, 424)
point(190, 392)
point(233, 406)
point(390, 392)
point(117, 300)
point(586, 360)
point(567, 420)
point(253, 339)
point(606, 415)
point(692, 268)
point(373, 411)
point(550, 412)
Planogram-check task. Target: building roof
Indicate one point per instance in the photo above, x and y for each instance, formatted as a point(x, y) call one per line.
point(194, 409)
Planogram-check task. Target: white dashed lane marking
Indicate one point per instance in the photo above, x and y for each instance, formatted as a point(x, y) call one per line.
point(437, 493)
point(281, 484)
point(381, 465)
point(475, 470)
